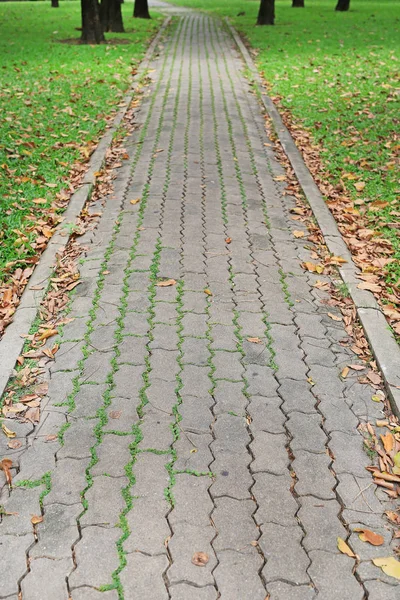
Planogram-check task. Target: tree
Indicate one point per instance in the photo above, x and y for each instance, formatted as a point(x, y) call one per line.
point(342, 5)
point(141, 9)
point(54, 4)
point(111, 16)
point(266, 14)
point(92, 29)
point(298, 4)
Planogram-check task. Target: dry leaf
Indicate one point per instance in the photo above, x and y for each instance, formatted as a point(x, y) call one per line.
point(389, 565)
point(388, 442)
point(47, 334)
point(8, 432)
point(357, 367)
point(345, 372)
point(376, 398)
point(14, 444)
point(36, 519)
point(166, 283)
point(366, 535)
point(208, 292)
point(254, 340)
point(370, 286)
point(5, 466)
point(335, 317)
point(228, 240)
point(115, 414)
point(360, 185)
point(344, 548)
point(51, 437)
point(135, 201)
point(298, 234)
point(200, 559)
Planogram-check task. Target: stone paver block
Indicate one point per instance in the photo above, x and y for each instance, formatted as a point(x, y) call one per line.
point(103, 513)
point(229, 398)
point(348, 452)
point(88, 400)
point(275, 501)
point(313, 474)
point(282, 546)
point(320, 519)
point(148, 525)
point(378, 590)
point(333, 576)
point(58, 532)
point(237, 575)
point(164, 365)
point(122, 414)
point(185, 542)
point(297, 396)
point(113, 454)
point(78, 439)
point(67, 482)
point(143, 577)
point(245, 531)
point(261, 381)
point(151, 475)
point(266, 414)
point(13, 561)
point(54, 573)
point(24, 503)
point(307, 433)
point(270, 453)
point(196, 381)
point(132, 350)
point(100, 543)
point(128, 381)
point(227, 365)
point(193, 452)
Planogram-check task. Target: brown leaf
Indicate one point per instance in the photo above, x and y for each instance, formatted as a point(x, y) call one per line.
point(47, 334)
point(335, 317)
point(344, 548)
point(208, 292)
point(370, 286)
point(51, 437)
point(33, 415)
point(298, 234)
point(166, 283)
point(35, 519)
point(254, 340)
point(357, 367)
point(115, 414)
point(388, 441)
point(14, 444)
point(5, 466)
point(374, 377)
point(228, 240)
point(200, 559)
point(366, 535)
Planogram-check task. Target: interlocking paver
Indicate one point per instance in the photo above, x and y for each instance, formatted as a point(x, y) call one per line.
point(184, 436)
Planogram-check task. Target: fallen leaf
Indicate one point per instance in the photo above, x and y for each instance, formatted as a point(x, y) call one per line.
point(115, 414)
point(36, 519)
point(228, 240)
point(166, 283)
point(366, 535)
point(135, 201)
point(357, 367)
point(14, 444)
point(5, 466)
point(208, 292)
point(359, 185)
point(8, 432)
point(345, 372)
point(298, 234)
point(52, 437)
point(200, 559)
point(376, 398)
point(389, 565)
point(344, 548)
point(374, 377)
point(313, 268)
point(370, 286)
point(47, 334)
point(254, 340)
point(388, 442)
point(335, 317)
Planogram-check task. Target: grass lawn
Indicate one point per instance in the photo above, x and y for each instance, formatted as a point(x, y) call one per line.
point(54, 102)
point(337, 74)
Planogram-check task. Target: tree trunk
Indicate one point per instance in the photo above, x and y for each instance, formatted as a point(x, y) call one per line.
point(298, 4)
point(111, 16)
point(54, 4)
point(92, 30)
point(141, 9)
point(342, 5)
point(266, 14)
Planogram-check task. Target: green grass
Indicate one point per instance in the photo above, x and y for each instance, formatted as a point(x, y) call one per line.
point(337, 74)
point(55, 99)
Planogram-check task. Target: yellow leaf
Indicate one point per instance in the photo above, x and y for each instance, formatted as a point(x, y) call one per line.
point(47, 334)
point(345, 372)
point(298, 234)
point(208, 292)
point(376, 398)
point(8, 432)
point(389, 565)
point(344, 548)
point(135, 201)
point(254, 340)
point(360, 185)
point(36, 519)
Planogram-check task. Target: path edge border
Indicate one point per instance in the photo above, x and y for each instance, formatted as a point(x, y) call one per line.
point(11, 343)
point(381, 340)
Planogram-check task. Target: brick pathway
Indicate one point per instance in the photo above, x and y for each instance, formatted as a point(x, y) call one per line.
point(178, 434)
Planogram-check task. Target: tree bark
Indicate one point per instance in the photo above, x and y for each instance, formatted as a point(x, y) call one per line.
point(111, 16)
point(92, 29)
point(141, 9)
point(343, 5)
point(266, 13)
point(54, 4)
point(298, 4)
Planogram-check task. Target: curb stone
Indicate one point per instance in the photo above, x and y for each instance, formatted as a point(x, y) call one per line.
point(12, 343)
point(382, 342)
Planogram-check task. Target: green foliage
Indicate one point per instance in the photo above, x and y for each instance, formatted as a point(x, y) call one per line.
point(337, 73)
point(55, 100)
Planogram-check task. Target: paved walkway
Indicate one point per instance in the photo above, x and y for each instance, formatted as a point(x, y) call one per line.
point(179, 434)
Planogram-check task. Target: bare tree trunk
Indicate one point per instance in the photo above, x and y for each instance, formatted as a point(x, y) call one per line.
point(54, 4)
point(266, 14)
point(298, 4)
point(343, 5)
point(111, 16)
point(92, 30)
point(141, 9)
